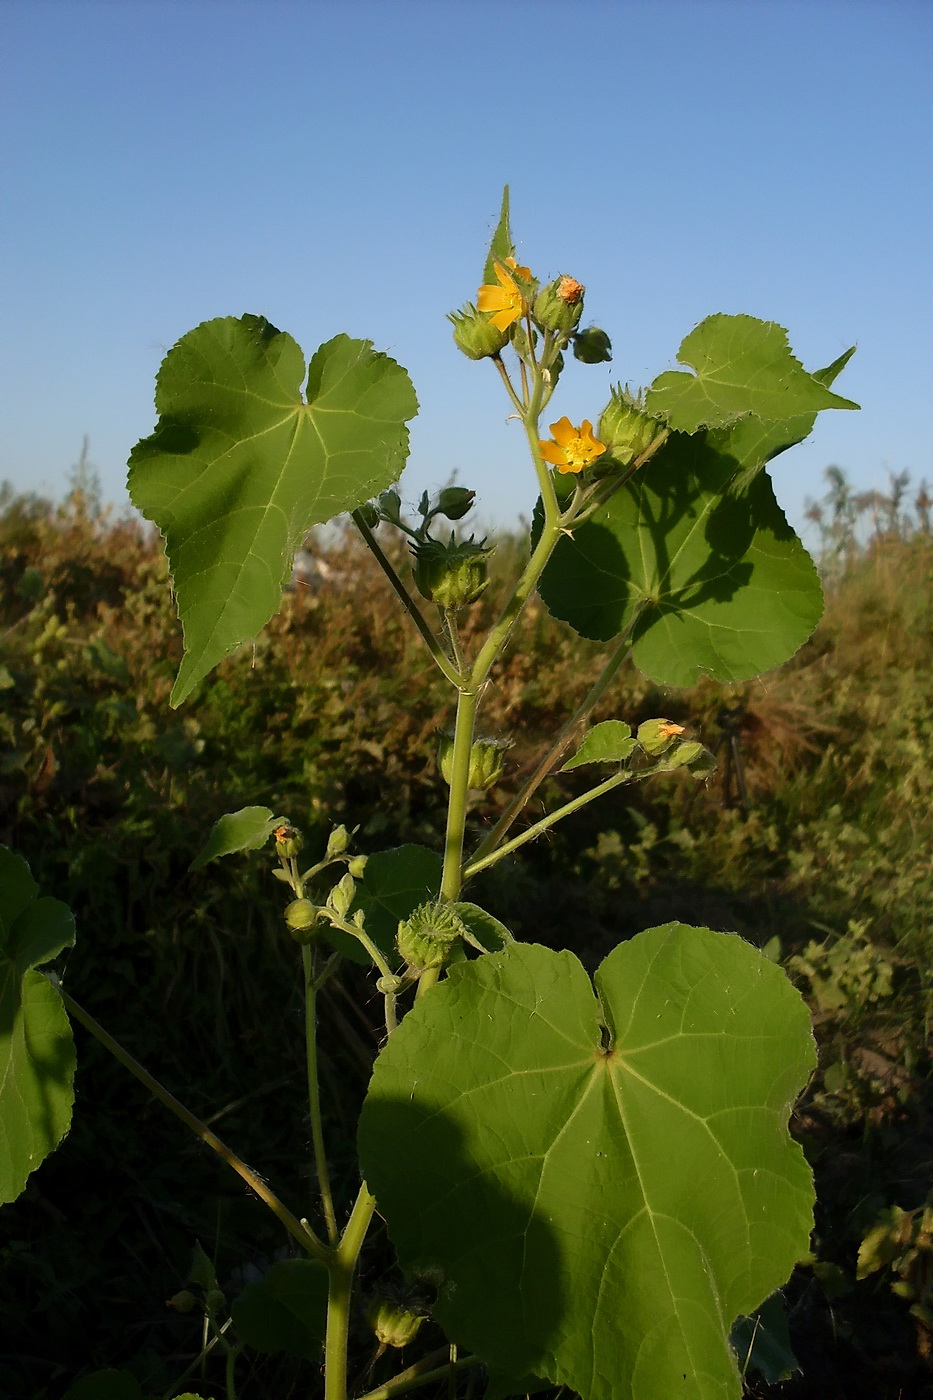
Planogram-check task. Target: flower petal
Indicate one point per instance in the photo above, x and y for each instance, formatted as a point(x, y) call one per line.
point(563, 432)
point(553, 454)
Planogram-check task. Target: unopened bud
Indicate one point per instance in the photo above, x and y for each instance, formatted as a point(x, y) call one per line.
point(338, 841)
point(625, 427)
point(392, 1323)
point(341, 896)
point(559, 306)
point(369, 514)
point(428, 936)
point(301, 917)
point(656, 735)
point(487, 761)
point(390, 504)
point(356, 865)
point(592, 346)
point(451, 575)
point(477, 337)
point(287, 841)
point(183, 1302)
point(455, 501)
point(215, 1300)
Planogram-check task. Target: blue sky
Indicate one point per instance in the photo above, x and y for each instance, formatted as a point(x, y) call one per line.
point(338, 166)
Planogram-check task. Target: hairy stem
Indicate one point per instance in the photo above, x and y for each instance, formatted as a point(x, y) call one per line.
point(408, 603)
point(475, 866)
point(341, 1268)
point(422, 1373)
point(314, 1098)
point(618, 655)
point(299, 1231)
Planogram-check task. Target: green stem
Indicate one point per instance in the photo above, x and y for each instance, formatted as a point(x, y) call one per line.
point(419, 1374)
point(232, 1354)
point(475, 866)
point(314, 1098)
point(459, 792)
point(563, 740)
point(300, 1232)
point(341, 1267)
point(407, 601)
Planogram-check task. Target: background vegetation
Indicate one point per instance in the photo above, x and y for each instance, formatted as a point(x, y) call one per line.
point(813, 839)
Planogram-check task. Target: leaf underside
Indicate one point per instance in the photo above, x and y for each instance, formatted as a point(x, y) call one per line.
point(240, 467)
point(598, 1216)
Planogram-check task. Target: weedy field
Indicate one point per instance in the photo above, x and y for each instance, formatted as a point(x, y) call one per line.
point(813, 839)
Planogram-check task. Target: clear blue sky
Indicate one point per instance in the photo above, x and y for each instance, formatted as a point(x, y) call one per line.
point(338, 166)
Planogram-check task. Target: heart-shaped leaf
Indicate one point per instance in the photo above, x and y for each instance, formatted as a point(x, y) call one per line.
point(598, 1184)
point(721, 582)
point(240, 467)
point(742, 366)
point(245, 830)
point(609, 742)
point(37, 1055)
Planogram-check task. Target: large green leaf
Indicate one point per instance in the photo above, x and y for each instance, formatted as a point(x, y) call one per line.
point(240, 467)
point(598, 1184)
point(753, 443)
point(37, 1057)
point(742, 366)
point(724, 585)
point(285, 1310)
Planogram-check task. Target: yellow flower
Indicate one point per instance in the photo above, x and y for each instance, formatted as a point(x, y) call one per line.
point(667, 730)
point(572, 449)
point(506, 300)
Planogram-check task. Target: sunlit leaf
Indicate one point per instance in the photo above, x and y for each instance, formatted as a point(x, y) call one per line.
point(742, 366)
point(37, 1056)
point(501, 246)
point(246, 830)
point(609, 742)
point(598, 1185)
point(240, 467)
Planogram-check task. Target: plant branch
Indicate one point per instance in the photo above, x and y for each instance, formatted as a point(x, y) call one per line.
point(422, 1373)
point(314, 1098)
point(562, 742)
point(300, 1232)
point(341, 1267)
point(408, 603)
point(475, 866)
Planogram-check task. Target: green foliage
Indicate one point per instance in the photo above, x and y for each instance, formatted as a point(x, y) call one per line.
point(710, 582)
point(106, 1385)
point(285, 1310)
point(539, 1109)
point(743, 366)
point(246, 830)
point(37, 1059)
point(609, 742)
point(240, 467)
